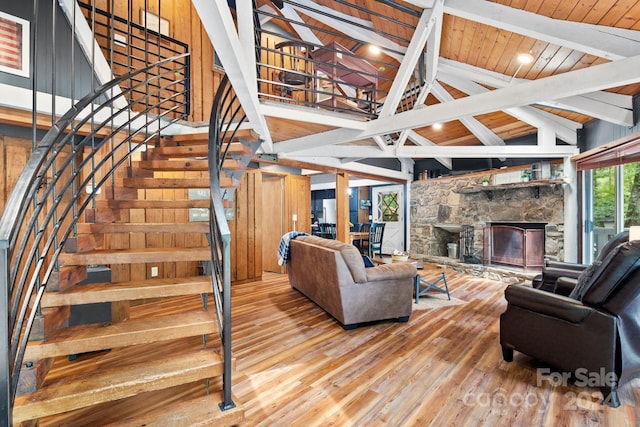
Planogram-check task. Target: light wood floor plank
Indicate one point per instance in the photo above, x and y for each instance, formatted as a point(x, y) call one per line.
point(296, 366)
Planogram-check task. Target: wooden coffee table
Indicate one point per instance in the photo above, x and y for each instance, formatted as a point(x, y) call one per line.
point(419, 280)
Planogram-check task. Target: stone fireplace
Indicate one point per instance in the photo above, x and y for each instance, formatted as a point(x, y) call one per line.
point(439, 212)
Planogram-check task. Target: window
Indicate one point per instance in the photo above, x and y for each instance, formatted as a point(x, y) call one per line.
point(611, 192)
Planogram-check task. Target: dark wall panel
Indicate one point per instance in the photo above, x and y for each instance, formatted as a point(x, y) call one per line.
point(72, 70)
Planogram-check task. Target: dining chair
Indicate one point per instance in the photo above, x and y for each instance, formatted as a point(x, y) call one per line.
point(376, 233)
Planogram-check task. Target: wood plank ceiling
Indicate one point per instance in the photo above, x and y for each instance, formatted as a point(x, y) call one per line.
point(477, 45)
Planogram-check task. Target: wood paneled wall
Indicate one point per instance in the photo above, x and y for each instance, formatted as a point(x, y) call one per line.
point(14, 153)
point(246, 230)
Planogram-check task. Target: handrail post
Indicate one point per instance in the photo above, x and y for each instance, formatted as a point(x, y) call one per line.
point(5, 368)
point(227, 402)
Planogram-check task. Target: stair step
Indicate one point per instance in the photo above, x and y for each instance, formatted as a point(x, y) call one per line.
point(193, 151)
point(198, 412)
point(128, 227)
point(153, 204)
point(174, 182)
point(108, 384)
point(99, 336)
point(161, 165)
point(173, 165)
point(135, 255)
point(128, 291)
point(201, 138)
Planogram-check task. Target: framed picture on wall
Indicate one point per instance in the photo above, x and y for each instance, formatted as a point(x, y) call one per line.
point(14, 45)
point(154, 23)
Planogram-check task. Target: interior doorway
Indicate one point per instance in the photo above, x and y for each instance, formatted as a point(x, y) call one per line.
point(388, 208)
point(272, 221)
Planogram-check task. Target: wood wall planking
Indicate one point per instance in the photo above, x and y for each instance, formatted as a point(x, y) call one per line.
point(14, 153)
point(246, 230)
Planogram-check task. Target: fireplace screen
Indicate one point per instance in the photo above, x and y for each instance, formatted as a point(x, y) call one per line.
point(514, 245)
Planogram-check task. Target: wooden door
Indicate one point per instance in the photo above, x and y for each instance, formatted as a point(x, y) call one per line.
point(272, 221)
point(298, 202)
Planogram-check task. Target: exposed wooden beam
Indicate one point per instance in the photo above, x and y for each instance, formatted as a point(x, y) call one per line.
point(334, 165)
point(308, 115)
point(597, 40)
point(590, 102)
point(564, 128)
point(412, 55)
point(483, 133)
point(598, 77)
point(356, 32)
point(220, 26)
point(424, 142)
point(303, 31)
point(439, 151)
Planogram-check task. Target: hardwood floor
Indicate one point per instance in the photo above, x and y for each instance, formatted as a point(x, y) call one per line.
point(296, 366)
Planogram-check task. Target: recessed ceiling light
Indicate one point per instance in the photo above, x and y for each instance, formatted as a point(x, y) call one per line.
point(437, 126)
point(525, 58)
point(374, 49)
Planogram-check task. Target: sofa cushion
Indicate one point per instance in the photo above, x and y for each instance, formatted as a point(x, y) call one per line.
point(350, 254)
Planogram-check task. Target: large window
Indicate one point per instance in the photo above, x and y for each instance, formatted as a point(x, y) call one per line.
point(611, 192)
point(615, 203)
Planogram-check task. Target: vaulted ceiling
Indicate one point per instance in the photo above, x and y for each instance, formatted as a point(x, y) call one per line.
point(586, 57)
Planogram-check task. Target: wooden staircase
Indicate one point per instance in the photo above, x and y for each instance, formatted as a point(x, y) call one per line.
point(132, 230)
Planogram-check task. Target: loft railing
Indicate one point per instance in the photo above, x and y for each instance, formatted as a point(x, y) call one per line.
point(129, 46)
point(81, 153)
point(325, 84)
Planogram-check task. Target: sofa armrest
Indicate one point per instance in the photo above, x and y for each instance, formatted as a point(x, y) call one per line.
point(390, 271)
point(551, 274)
point(565, 285)
point(546, 303)
point(565, 265)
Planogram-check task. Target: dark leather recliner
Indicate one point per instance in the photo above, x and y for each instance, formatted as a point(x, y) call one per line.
point(594, 330)
point(568, 272)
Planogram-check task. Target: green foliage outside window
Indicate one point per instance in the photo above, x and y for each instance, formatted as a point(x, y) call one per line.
point(604, 195)
point(390, 207)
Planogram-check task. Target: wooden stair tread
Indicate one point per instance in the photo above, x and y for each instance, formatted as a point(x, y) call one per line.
point(127, 291)
point(161, 165)
point(200, 150)
point(153, 204)
point(128, 227)
point(194, 150)
point(173, 165)
point(134, 256)
point(173, 182)
point(197, 412)
point(203, 137)
point(100, 336)
point(105, 385)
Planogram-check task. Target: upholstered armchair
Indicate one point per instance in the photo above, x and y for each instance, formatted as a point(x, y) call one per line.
point(595, 329)
point(561, 277)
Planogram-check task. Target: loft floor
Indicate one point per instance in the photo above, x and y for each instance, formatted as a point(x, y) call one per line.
point(297, 366)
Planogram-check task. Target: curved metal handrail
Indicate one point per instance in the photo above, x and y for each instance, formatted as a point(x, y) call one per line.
point(49, 196)
point(226, 119)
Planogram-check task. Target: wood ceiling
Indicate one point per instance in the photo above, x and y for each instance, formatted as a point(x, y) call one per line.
point(471, 56)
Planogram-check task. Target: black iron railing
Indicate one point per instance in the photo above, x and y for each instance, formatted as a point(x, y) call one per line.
point(79, 154)
point(129, 46)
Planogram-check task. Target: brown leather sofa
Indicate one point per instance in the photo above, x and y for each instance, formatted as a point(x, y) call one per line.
point(332, 274)
point(593, 331)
